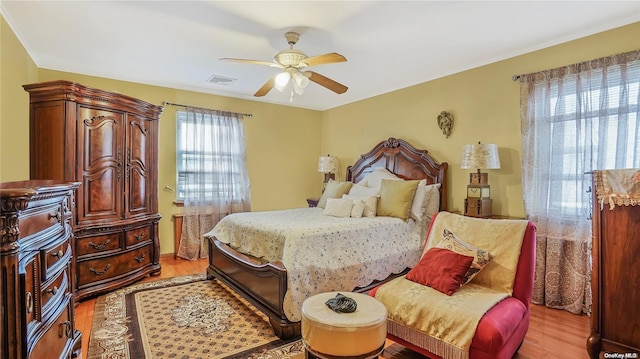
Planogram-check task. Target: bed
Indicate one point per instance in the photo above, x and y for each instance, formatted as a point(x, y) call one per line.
point(275, 277)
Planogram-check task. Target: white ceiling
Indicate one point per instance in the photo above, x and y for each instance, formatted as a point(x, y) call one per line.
point(389, 45)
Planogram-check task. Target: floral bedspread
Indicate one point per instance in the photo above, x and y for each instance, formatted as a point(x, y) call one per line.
point(323, 253)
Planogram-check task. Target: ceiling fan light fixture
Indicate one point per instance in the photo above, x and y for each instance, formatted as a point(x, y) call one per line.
point(281, 80)
point(300, 80)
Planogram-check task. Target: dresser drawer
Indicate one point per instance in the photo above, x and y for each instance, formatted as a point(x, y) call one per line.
point(55, 257)
point(98, 244)
point(31, 283)
point(93, 271)
point(54, 291)
point(138, 235)
point(57, 336)
point(39, 221)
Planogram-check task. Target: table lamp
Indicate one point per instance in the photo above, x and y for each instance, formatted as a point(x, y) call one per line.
point(479, 156)
point(329, 166)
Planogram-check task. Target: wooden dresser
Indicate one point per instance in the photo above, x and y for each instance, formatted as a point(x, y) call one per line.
point(615, 318)
point(36, 278)
point(109, 143)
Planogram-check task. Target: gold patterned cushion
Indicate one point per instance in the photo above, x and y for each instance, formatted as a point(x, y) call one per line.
point(480, 256)
point(396, 198)
point(333, 189)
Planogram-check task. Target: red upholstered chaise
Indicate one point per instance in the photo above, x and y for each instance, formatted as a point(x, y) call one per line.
point(502, 329)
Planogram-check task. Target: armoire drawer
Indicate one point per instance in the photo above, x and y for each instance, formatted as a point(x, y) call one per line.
point(139, 235)
point(104, 268)
point(98, 244)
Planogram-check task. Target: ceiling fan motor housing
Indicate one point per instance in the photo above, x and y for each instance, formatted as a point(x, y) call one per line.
point(290, 58)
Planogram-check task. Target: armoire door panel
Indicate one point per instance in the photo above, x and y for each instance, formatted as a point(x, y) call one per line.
point(139, 159)
point(101, 171)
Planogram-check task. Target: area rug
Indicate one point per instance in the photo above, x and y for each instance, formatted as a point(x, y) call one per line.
point(186, 317)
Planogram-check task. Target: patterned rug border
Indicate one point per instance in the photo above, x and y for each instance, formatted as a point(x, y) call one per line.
point(123, 326)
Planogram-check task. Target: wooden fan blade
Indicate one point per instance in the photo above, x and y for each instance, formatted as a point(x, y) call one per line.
point(326, 82)
point(255, 62)
point(265, 88)
point(329, 58)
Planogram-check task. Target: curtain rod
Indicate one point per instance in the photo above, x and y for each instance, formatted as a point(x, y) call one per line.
point(166, 103)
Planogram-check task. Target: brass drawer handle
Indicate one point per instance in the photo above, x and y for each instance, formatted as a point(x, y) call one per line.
point(58, 254)
point(139, 260)
point(53, 290)
point(29, 302)
point(138, 237)
point(67, 329)
point(97, 272)
point(99, 246)
point(57, 216)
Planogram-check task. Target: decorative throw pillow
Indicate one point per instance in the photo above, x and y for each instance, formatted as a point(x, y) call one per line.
point(333, 189)
point(480, 257)
point(375, 177)
point(441, 269)
point(358, 208)
point(396, 198)
point(370, 204)
point(338, 207)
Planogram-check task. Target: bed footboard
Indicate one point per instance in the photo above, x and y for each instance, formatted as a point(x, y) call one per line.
point(262, 284)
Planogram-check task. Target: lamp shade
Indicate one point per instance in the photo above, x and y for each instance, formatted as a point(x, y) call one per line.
point(480, 155)
point(328, 164)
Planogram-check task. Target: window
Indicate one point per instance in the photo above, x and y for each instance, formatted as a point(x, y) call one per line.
point(210, 157)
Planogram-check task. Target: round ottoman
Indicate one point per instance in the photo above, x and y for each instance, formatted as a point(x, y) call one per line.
point(327, 334)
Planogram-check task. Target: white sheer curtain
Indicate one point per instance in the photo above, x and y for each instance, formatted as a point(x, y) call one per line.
point(575, 119)
point(212, 174)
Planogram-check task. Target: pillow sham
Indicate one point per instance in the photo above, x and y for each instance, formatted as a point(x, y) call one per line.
point(432, 205)
point(441, 269)
point(370, 204)
point(338, 207)
point(419, 200)
point(333, 189)
point(396, 198)
point(480, 257)
point(360, 190)
point(376, 176)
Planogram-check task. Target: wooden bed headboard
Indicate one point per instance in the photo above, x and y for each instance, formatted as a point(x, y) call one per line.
point(405, 161)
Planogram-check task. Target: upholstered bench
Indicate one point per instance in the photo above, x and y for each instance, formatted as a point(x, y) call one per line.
point(328, 334)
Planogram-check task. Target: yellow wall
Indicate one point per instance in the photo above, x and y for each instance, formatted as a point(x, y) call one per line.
point(485, 104)
point(16, 68)
point(283, 143)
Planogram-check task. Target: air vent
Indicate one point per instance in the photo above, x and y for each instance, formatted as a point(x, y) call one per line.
point(221, 80)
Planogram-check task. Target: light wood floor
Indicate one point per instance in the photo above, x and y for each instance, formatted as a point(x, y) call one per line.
point(552, 333)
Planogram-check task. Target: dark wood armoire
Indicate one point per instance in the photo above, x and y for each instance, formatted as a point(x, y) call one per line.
point(615, 317)
point(109, 143)
point(36, 278)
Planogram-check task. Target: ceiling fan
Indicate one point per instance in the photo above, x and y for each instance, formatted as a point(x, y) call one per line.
point(293, 62)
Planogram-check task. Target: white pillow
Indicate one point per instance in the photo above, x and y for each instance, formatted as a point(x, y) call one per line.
point(374, 179)
point(338, 207)
point(358, 208)
point(370, 204)
point(432, 199)
point(417, 208)
point(364, 191)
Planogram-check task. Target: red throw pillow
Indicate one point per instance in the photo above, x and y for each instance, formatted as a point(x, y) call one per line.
point(441, 269)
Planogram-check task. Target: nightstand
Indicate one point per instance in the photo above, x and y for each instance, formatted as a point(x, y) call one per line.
point(313, 202)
